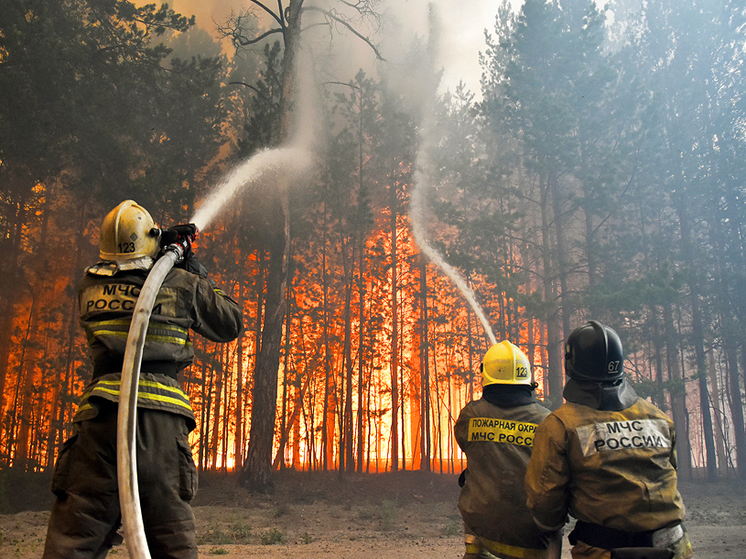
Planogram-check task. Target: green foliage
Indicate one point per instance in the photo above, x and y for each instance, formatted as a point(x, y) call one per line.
point(273, 536)
point(237, 533)
point(453, 527)
point(387, 514)
point(263, 105)
point(280, 511)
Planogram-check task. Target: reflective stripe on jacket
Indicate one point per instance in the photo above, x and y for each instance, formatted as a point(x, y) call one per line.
point(611, 468)
point(157, 333)
point(497, 443)
point(154, 391)
point(185, 301)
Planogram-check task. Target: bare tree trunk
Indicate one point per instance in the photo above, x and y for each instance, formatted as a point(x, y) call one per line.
point(559, 225)
point(227, 407)
point(362, 416)
point(394, 332)
point(736, 406)
point(8, 306)
point(217, 386)
point(424, 372)
point(470, 349)
point(327, 421)
point(204, 440)
point(257, 472)
point(698, 338)
point(719, 431)
point(27, 394)
point(347, 456)
point(554, 340)
point(279, 461)
point(238, 415)
point(678, 398)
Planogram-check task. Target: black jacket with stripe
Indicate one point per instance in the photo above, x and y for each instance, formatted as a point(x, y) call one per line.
point(185, 301)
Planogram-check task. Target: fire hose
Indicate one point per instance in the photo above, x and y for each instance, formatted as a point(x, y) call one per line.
point(129, 497)
point(554, 551)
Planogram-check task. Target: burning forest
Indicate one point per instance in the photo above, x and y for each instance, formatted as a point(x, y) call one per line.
point(597, 173)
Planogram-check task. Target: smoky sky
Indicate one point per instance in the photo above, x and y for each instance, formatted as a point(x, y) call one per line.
point(403, 20)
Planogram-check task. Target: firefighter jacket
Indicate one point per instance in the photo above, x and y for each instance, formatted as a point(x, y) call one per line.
point(610, 467)
point(185, 301)
point(497, 442)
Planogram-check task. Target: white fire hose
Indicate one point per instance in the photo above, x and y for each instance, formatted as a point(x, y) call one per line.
point(129, 497)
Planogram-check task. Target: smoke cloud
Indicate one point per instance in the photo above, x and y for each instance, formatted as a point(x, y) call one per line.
point(428, 135)
point(403, 20)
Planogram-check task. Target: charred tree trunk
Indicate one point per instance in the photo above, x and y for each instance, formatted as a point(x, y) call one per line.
point(9, 299)
point(678, 395)
point(279, 461)
point(698, 337)
point(394, 333)
point(347, 456)
point(561, 260)
point(257, 472)
point(222, 363)
point(555, 382)
point(25, 398)
point(361, 416)
point(424, 372)
point(238, 416)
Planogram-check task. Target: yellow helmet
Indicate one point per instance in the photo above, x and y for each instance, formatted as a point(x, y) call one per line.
point(127, 233)
point(504, 363)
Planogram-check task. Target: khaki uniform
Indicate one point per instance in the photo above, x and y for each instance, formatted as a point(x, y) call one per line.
point(497, 442)
point(612, 470)
point(86, 514)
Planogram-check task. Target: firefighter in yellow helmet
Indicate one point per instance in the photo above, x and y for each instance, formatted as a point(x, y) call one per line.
point(496, 433)
point(86, 514)
point(608, 458)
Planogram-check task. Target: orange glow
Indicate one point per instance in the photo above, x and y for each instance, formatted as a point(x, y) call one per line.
point(312, 377)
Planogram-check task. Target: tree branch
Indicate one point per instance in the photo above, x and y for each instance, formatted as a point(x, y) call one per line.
point(243, 41)
point(277, 18)
point(252, 88)
point(337, 19)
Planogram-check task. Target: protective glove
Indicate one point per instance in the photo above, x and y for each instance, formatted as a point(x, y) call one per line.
point(183, 234)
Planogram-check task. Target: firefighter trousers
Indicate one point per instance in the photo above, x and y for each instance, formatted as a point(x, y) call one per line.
point(86, 514)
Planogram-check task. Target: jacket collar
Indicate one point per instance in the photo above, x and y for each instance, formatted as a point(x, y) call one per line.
point(600, 396)
point(508, 395)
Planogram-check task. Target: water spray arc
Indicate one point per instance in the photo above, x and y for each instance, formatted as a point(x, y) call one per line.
point(271, 169)
point(421, 238)
point(262, 168)
point(422, 181)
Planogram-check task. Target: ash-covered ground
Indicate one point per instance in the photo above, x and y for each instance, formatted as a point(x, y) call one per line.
point(377, 516)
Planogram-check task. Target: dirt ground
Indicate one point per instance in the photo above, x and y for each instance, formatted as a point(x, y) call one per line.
point(382, 516)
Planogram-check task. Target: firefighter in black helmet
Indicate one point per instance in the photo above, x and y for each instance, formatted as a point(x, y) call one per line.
point(86, 514)
point(608, 458)
point(496, 433)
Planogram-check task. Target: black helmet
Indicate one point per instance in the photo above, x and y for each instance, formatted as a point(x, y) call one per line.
point(594, 352)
